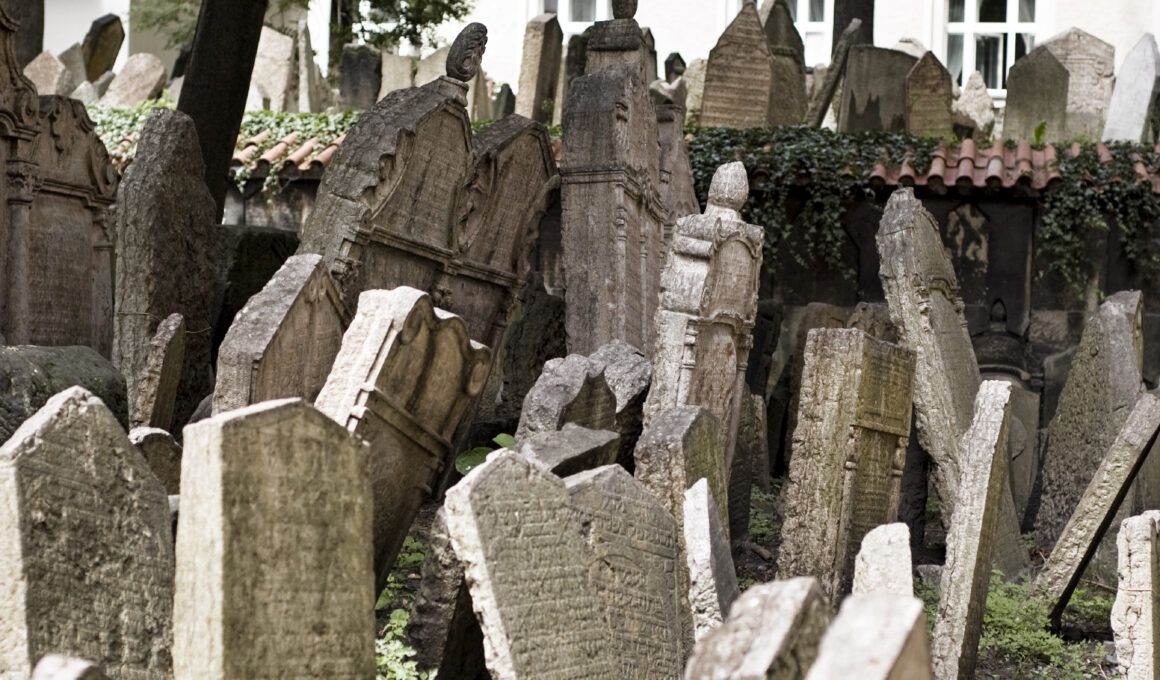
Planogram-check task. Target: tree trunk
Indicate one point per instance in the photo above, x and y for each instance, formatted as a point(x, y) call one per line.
point(217, 82)
point(846, 11)
point(30, 38)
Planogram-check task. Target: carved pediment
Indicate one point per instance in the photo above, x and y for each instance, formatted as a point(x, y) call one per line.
point(18, 104)
point(70, 154)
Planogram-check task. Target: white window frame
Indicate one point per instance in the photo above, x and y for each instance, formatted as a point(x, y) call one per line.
point(564, 14)
point(825, 28)
point(971, 27)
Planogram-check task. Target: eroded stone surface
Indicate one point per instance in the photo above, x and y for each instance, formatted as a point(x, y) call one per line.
point(1038, 88)
point(162, 453)
point(570, 390)
point(883, 563)
point(928, 99)
point(712, 585)
point(142, 77)
point(572, 449)
point(739, 78)
point(153, 395)
point(875, 637)
point(1132, 110)
point(543, 50)
point(628, 374)
point(874, 96)
point(1135, 616)
point(1090, 63)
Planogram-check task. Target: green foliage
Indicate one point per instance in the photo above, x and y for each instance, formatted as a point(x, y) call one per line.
point(473, 458)
point(176, 20)
point(928, 593)
point(115, 125)
point(389, 23)
point(394, 656)
point(745, 583)
point(763, 527)
point(1090, 608)
point(1015, 635)
point(327, 127)
point(1040, 133)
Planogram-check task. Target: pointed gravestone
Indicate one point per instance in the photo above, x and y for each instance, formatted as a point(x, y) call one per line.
point(974, 108)
point(928, 99)
point(74, 61)
point(674, 67)
point(50, 75)
point(282, 344)
point(848, 452)
point(739, 79)
point(86, 551)
point(1037, 94)
point(543, 50)
point(153, 395)
point(1090, 63)
point(570, 390)
point(522, 547)
point(1097, 507)
point(875, 637)
point(883, 563)
point(874, 97)
point(708, 308)
point(402, 381)
point(163, 201)
point(1132, 112)
point(789, 67)
point(632, 547)
point(1135, 614)
point(102, 45)
point(773, 631)
point(712, 579)
point(971, 535)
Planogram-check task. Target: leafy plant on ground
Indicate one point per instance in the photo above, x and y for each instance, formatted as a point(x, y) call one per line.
point(763, 525)
point(394, 657)
point(473, 458)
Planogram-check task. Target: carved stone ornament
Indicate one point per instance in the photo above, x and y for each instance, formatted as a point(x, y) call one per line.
point(467, 52)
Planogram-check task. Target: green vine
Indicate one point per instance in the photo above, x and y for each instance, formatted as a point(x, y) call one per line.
point(327, 127)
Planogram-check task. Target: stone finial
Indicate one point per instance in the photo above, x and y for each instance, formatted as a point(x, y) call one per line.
point(467, 52)
point(623, 9)
point(730, 187)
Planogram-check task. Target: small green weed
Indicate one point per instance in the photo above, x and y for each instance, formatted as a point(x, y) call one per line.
point(394, 657)
point(763, 526)
point(473, 458)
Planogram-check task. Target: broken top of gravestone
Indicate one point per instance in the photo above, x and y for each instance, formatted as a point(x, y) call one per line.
point(283, 342)
point(628, 374)
point(1090, 63)
point(883, 563)
point(141, 78)
point(162, 453)
point(874, 97)
point(773, 631)
point(1037, 94)
point(521, 544)
point(570, 390)
point(572, 449)
point(1135, 613)
point(712, 585)
point(154, 393)
point(1132, 112)
point(87, 550)
point(974, 108)
point(59, 667)
point(629, 538)
point(50, 75)
point(101, 46)
point(878, 636)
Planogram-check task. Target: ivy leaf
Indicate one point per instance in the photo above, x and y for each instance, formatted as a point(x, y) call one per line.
point(469, 460)
point(505, 441)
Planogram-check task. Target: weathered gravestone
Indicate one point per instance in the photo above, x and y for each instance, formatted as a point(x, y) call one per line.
point(971, 534)
point(883, 563)
point(361, 76)
point(928, 99)
point(504, 103)
point(824, 95)
point(275, 518)
point(1132, 112)
point(711, 585)
point(1097, 507)
point(275, 73)
point(141, 78)
point(628, 374)
point(543, 50)
point(162, 203)
point(570, 390)
point(790, 98)
point(750, 464)
point(74, 61)
point(974, 108)
point(162, 453)
point(613, 216)
point(708, 307)
point(571, 449)
point(695, 84)
point(1037, 94)
point(674, 67)
point(29, 17)
point(313, 90)
point(875, 637)
point(874, 96)
point(283, 342)
point(522, 547)
point(58, 667)
point(50, 75)
point(741, 74)
point(402, 381)
point(101, 46)
point(773, 631)
point(678, 193)
point(86, 551)
point(848, 453)
point(631, 549)
point(1090, 63)
point(153, 394)
point(1135, 614)
point(398, 73)
point(1102, 387)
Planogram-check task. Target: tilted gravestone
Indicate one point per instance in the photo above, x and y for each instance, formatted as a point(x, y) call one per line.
point(789, 67)
point(1132, 111)
point(522, 547)
point(1097, 507)
point(874, 96)
point(102, 45)
point(1135, 615)
point(163, 201)
point(678, 194)
point(971, 534)
point(631, 549)
point(543, 50)
point(849, 449)
point(570, 390)
point(162, 453)
point(86, 551)
point(711, 585)
point(141, 78)
point(875, 637)
point(275, 73)
point(50, 75)
point(928, 99)
point(1090, 63)
point(708, 308)
point(740, 76)
point(773, 631)
point(1037, 94)
point(275, 517)
point(402, 381)
point(823, 97)
point(283, 343)
point(883, 564)
point(153, 395)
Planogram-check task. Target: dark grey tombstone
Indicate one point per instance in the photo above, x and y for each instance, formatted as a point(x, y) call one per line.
point(874, 97)
point(361, 76)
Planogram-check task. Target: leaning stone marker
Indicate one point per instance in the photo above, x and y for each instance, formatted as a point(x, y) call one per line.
point(50, 75)
point(101, 46)
point(1097, 508)
point(275, 518)
point(543, 50)
point(402, 381)
point(153, 395)
point(1037, 93)
point(823, 97)
point(773, 631)
point(1090, 63)
point(712, 583)
point(928, 99)
point(628, 374)
point(86, 551)
point(1132, 111)
point(632, 549)
point(848, 453)
point(875, 637)
point(142, 77)
point(570, 390)
point(1135, 615)
point(970, 536)
point(874, 96)
point(522, 547)
point(883, 563)
point(739, 79)
point(282, 344)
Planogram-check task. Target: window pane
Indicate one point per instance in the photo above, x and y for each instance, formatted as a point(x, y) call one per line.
point(817, 10)
point(989, 59)
point(955, 57)
point(583, 10)
point(550, 6)
point(1024, 43)
point(1026, 10)
point(993, 11)
point(958, 11)
point(817, 49)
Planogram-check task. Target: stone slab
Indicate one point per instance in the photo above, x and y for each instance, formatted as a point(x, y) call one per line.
point(1132, 109)
point(875, 637)
point(874, 96)
point(141, 78)
point(543, 51)
point(1038, 87)
point(162, 453)
point(739, 77)
point(1090, 63)
point(712, 585)
point(883, 564)
point(102, 45)
point(154, 392)
point(570, 390)
point(571, 449)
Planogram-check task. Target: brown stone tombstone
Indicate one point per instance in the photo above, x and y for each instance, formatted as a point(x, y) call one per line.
point(739, 80)
point(928, 99)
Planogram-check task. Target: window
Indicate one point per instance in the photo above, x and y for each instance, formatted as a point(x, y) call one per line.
point(550, 6)
point(583, 10)
point(577, 15)
point(814, 20)
point(988, 36)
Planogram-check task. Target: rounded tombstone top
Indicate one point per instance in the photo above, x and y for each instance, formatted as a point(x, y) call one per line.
point(730, 186)
point(623, 9)
point(467, 52)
